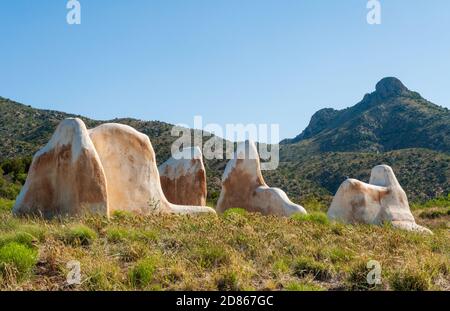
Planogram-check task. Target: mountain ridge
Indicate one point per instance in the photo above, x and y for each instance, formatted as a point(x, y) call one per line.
point(384, 120)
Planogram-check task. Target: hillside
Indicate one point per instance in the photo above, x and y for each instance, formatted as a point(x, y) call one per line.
point(391, 118)
point(423, 173)
point(23, 129)
point(392, 125)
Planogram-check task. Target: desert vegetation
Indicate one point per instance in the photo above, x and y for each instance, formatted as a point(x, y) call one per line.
point(234, 251)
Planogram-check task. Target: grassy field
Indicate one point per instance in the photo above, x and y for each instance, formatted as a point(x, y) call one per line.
point(235, 251)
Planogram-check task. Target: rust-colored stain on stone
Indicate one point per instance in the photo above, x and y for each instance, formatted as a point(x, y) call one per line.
point(243, 186)
point(65, 179)
point(183, 180)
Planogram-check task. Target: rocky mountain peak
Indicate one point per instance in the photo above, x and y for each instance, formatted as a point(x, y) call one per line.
point(389, 87)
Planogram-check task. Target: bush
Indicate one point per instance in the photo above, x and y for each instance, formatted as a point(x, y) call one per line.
point(16, 167)
point(316, 217)
point(79, 235)
point(142, 273)
point(17, 258)
point(213, 197)
point(306, 266)
point(410, 280)
point(9, 190)
point(314, 205)
point(6, 205)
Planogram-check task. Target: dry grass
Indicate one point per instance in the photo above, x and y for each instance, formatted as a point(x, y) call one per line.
point(237, 251)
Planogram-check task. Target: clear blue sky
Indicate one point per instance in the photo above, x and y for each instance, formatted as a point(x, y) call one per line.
point(231, 61)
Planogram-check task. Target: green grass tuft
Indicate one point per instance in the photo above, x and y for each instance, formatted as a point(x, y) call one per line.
point(211, 256)
point(312, 204)
point(116, 234)
point(17, 259)
point(316, 217)
point(410, 280)
point(235, 211)
point(79, 235)
point(39, 232)
point(121, 215)
point(141, 275)
point(18, 237)
point(303, 287)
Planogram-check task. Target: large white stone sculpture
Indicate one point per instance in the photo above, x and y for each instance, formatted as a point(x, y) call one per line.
point(243, 186)
point(129, 162)
point(382, 200)
point(183, 178)
point(66, 177)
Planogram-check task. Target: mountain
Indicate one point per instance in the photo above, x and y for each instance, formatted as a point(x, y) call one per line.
point(391, 118)
point(392, 125)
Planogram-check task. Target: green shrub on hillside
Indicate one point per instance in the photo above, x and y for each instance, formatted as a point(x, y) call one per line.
point(9, 190)
point(6, 205)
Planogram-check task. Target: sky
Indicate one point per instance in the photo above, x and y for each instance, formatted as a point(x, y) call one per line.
point(229, 61)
